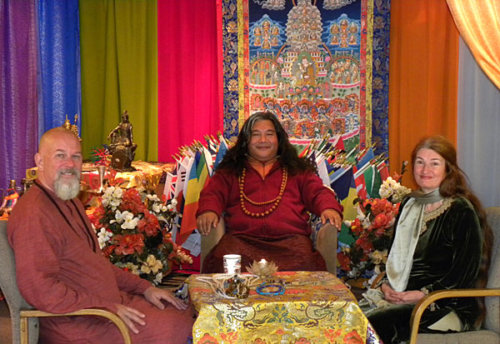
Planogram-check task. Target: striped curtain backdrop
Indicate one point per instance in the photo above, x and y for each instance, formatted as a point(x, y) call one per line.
point(161, 61)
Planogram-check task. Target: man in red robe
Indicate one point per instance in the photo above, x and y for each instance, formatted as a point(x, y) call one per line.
point(266, 193)
point(60, 267)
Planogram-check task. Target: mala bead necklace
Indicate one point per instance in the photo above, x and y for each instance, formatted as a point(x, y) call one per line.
point(276, 201)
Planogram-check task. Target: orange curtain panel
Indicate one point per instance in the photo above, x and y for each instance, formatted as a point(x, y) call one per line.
point(423, 77)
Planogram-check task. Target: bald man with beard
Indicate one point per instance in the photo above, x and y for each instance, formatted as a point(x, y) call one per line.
point(60, 267)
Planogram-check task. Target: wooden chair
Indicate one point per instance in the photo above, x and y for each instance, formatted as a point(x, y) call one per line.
point(24, 317)
point(490, 332)
point(326, 244)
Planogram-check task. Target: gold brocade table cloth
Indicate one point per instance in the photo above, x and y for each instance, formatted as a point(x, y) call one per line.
point(315, 308)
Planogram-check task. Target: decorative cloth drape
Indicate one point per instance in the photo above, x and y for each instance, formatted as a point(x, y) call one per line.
point(59, 77)
point(479, 25)
point(423, 76)
point(119, 72)
point(189, 70)
point(18, 92)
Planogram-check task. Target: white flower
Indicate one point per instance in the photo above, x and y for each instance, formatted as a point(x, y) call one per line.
point(153, 198)
point(129, 221)
point(103, 236)
point(112, 197)
point(115, 202)
point(174, 202)
point(105, 201)
point(158, 278)
point(109, 192)
point(394, 190)
point(170, 207)
point(118, 193)
point(157, 207)
point(379, 257)
point(119, 216)
point(130, 266)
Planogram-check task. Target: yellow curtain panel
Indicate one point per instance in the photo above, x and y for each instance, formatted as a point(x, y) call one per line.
point(479, 25)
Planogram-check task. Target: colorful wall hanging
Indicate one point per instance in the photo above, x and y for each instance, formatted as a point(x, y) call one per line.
point(308, 61)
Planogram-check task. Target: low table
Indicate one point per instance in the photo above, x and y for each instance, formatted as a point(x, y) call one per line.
point(315, 308)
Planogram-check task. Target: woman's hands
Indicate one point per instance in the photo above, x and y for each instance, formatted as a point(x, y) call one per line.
point(403, 297)
point(206, 222)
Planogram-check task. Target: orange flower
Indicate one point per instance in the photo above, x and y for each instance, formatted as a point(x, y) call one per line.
point(96, 216)
point(127, 244)
point(149, 224)
point(108, 250)
point(345, 262)
point(132, 202)
point(356, 227)
point(365, 244)
point(381, 220)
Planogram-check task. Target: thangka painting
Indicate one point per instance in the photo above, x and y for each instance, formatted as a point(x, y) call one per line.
point(307, 61)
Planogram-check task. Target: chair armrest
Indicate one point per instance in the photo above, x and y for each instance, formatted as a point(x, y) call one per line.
point(209, 241)
point(25, 314)
point(426, 301)
point(326, 244)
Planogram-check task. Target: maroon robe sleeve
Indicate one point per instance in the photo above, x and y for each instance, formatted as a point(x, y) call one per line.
point(130, 283)
point(215, 195)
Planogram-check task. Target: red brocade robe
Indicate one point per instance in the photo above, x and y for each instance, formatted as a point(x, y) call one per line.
point(284, 235)
point(60, 269)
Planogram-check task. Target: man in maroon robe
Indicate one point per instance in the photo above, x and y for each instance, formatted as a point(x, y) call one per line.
point(266, 192)
point(60, 267)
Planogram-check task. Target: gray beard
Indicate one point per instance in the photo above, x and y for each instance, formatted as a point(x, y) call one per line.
point(67, 189)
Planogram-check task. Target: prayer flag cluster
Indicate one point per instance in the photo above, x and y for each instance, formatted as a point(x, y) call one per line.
point(195, 165)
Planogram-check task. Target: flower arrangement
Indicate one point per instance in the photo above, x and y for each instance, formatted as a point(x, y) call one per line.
point(133, 230)
point(100, 156)
point(372, 228)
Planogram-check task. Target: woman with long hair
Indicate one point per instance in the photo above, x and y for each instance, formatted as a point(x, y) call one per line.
point(441, 241)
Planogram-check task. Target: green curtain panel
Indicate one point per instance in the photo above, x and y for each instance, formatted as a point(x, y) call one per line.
point(119, 72)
